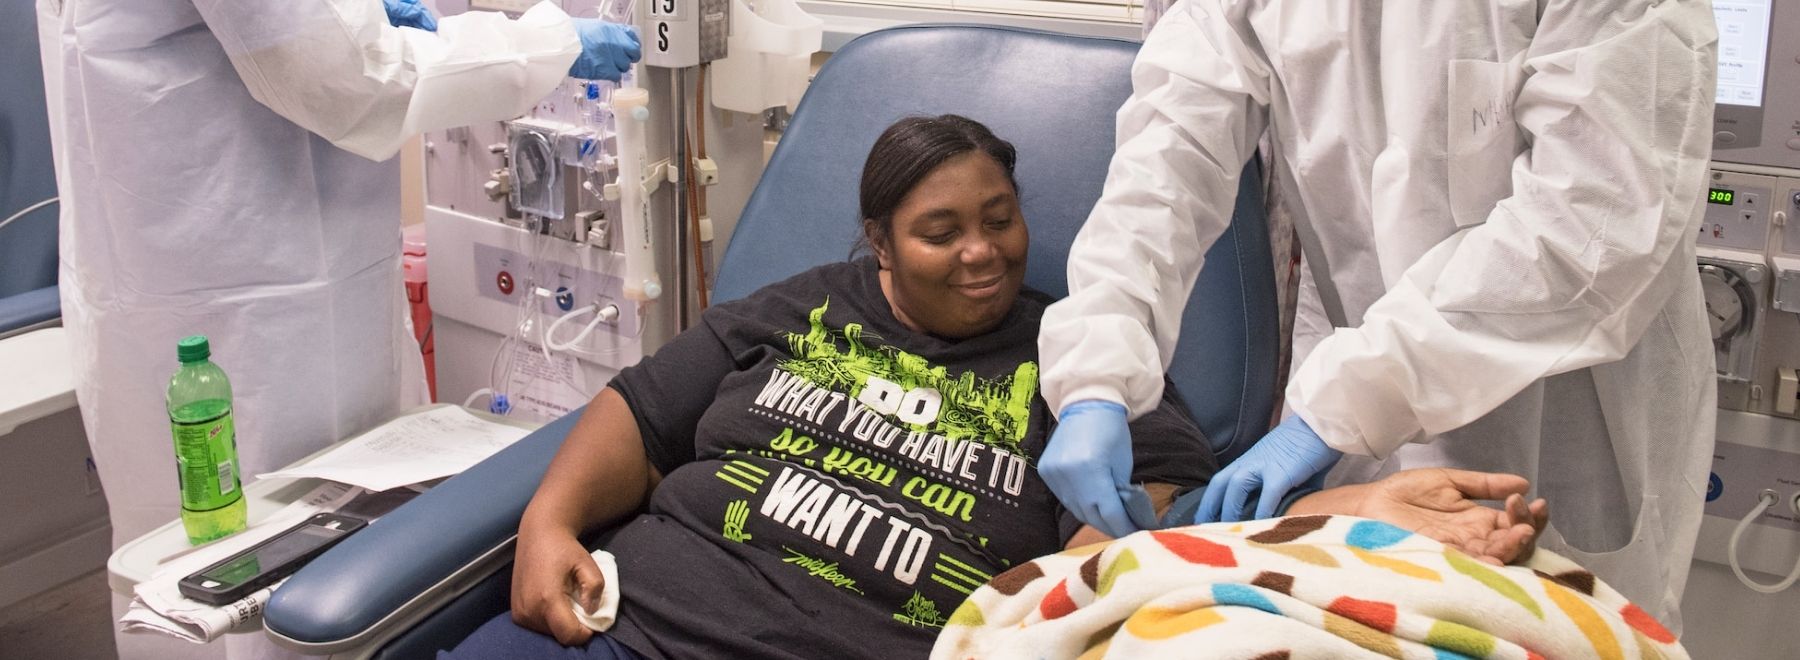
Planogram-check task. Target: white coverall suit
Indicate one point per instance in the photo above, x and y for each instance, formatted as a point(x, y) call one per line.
point(217, 164)
point(1500, 198)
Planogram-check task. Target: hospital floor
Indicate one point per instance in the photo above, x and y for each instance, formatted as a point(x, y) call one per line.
point(71, 621)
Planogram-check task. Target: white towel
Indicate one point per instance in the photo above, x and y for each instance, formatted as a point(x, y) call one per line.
point(602, 617)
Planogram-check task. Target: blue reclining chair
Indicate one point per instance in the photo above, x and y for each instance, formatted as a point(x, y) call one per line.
point(28, 245)
point(428, 573)
point(28, 293)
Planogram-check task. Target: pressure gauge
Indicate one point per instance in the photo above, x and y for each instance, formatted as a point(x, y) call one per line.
point(1729, 302)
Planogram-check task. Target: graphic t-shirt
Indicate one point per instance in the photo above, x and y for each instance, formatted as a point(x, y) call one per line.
point(836, 484)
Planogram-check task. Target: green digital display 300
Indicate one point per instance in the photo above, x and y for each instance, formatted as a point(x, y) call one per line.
point(1721, 196)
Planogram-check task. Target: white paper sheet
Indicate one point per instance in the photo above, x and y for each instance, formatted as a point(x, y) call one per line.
point(436, 443)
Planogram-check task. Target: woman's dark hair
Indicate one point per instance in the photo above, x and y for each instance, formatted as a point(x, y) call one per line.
point(910, 149)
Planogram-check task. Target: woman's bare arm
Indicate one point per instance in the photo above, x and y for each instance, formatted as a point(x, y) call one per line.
point(598, 477)
point(1437, 503)
point(1441, 503)
point(600, 474)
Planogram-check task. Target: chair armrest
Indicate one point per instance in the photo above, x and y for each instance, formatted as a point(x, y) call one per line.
point(28, 309)
point(409, 562)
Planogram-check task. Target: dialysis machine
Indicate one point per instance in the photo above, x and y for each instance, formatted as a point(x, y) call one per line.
point(568, 243)
point(1749, 263)
point(557, 240)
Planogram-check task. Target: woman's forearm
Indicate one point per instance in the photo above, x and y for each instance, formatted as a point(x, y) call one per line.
point(599, 476)
point(1342, 500)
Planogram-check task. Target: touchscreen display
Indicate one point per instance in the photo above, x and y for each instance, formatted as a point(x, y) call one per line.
point(1743, 50)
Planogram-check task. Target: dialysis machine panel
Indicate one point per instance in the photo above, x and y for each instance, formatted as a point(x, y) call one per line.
point(562, 243)
point(1749, 241)
point(1748, 247)
point(530, 315)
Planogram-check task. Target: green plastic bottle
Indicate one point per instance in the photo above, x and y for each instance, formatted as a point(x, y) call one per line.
point(212, 497)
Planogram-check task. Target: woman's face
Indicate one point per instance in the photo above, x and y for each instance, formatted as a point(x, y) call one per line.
point(954, 259)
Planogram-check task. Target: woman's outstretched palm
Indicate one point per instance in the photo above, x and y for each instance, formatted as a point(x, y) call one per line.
point(1440, 503)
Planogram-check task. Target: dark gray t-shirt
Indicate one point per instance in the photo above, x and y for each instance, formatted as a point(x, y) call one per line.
point(836, 484)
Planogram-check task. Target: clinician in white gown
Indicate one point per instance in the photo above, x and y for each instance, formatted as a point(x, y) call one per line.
point(218, 163)
point(1497, 198)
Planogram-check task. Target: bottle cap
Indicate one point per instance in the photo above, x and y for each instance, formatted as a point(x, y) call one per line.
point(193, 349)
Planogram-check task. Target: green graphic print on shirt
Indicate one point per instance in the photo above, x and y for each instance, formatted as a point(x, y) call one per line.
point(835, 483)
point(884, 461)
point(894, 382)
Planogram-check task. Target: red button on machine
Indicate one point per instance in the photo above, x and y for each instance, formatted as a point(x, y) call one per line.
point(505, 281)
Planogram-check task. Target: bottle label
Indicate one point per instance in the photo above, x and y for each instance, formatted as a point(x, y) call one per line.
point(206, 457)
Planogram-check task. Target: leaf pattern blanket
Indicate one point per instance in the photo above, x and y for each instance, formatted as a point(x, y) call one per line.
point(1300, 587)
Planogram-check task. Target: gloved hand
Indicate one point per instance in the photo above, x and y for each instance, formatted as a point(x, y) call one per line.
point(1088, 466)
point(607, 50)
point(1286, 457)
point(409, 13)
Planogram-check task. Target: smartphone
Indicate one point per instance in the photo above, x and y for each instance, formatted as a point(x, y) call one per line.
point(265, 563)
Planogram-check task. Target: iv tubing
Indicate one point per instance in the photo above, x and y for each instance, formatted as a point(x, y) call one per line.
point(678, 174)
point(695, 207)
point(9, 219)
point(477, 394)
point(609, 313)
point(706, 242)
point(1765, 500)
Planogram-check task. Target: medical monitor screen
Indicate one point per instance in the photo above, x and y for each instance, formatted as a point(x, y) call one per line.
point(1743, 50)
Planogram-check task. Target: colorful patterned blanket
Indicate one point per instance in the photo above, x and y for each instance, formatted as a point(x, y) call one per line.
point(1301, 587)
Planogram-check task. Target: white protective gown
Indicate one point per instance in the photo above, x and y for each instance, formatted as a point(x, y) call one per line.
point(218, 167)
point(1505, 193)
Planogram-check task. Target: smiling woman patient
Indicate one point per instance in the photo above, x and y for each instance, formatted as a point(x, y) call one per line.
point(830, 466)
point(944, 222)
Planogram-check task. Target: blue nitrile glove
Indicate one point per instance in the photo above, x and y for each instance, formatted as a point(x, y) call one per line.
point(1185, 510)
point(409, 13)
point(607, 50)
point(1287, 457)
point(1088, 465)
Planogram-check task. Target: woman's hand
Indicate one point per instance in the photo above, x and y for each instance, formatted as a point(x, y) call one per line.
point(1440, 503)
point(550, 565)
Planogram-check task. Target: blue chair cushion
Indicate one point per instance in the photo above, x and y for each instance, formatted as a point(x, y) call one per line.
point(29, 308)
